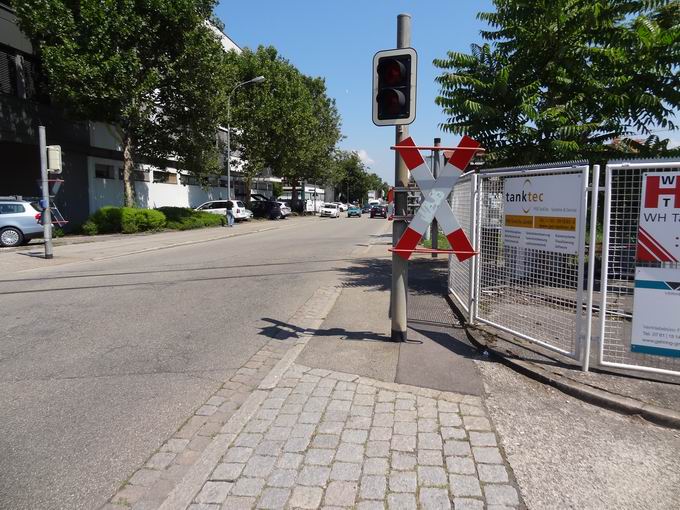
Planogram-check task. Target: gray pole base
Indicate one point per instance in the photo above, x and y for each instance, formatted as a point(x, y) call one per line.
point(398, 336)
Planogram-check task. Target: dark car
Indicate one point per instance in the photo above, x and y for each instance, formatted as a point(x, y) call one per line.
point(266, 209)
point(366, 209)
point(379, 211)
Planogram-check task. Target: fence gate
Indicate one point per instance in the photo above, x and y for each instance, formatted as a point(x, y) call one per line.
point(525, 289)
point(460, 272)
point(623, 190)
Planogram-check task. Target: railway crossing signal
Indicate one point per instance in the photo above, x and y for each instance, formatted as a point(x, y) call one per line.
point(435, 192)
point(394, 87)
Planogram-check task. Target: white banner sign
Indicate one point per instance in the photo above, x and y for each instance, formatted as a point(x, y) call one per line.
point(544, 212)
point(656, 321)
point(659, 224)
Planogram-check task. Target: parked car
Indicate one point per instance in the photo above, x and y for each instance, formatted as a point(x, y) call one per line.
point(353, 210)
point(342, 207)
point(19, 222)
point(285, 209)
point(379, 210)
point(366, 209)
point(330, 209)
point(249, 214)
point(220, 207)
point(266, 209)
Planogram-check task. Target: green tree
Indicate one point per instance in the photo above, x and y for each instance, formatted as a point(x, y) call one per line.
point(351, 179)
point(153, 68)
point(562, 79)
point(287, 123)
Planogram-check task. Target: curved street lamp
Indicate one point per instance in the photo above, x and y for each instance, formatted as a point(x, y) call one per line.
point(257, 79)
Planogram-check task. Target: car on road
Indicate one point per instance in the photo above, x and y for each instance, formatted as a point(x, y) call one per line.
point(220, 207)
point(366, 209)
point(285, 209)
point(266, 209)
point(341, 207)
point(330, 209)
point(353, 210)
point(19, 222)
point(379, 211)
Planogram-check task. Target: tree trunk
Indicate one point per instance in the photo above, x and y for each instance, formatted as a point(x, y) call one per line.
point(128, 183)
point(293, 195)
point(248, 182)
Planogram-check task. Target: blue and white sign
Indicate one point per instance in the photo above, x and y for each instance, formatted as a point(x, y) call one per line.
point(656, 321)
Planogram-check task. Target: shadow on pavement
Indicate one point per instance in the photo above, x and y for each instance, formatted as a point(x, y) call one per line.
point(280, 330)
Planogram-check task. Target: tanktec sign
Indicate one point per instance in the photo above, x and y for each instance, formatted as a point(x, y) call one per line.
point(543, 212)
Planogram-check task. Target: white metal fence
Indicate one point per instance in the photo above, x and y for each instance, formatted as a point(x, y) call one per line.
point(623, 190)
point(544, 296)
point(460, 273)
point(531, 293)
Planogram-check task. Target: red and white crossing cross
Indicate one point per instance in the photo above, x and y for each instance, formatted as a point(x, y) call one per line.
point(434, 198)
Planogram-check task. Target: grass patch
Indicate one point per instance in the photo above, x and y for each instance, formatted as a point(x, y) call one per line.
point(442, 240)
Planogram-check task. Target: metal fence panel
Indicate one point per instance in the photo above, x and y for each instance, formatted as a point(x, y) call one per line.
point(533, 294)
point(623, 190)
point(459, 272)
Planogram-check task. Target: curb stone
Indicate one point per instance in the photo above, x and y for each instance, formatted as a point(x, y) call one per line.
point(601, 398)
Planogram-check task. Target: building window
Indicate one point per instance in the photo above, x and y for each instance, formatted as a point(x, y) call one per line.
point(164, 177)
point(137, 175)
point(104, 171)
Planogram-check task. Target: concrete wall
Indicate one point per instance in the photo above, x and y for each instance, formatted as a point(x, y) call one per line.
point(150, 195)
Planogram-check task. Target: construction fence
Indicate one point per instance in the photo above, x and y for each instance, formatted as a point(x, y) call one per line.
point(562, 280)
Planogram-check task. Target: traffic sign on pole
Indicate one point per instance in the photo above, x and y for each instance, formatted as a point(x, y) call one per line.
point(435, 192)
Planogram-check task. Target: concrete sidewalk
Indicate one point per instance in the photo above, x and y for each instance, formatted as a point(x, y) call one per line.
point(652, 396)
point(81, 248)
point(383, 429)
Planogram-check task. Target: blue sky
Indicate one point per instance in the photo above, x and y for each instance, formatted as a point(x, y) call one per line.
point(337, 40)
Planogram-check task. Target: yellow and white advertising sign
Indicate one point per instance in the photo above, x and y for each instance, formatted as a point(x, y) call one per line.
point(543, 212)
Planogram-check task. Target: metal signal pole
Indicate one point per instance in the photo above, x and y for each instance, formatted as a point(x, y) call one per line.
point(46, 216)
point(399, 265)
point(435, 172)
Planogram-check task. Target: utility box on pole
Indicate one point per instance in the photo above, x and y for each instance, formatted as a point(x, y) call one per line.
point(54, 159)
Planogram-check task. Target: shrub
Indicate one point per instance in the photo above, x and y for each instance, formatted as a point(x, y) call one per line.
point(181, 218)
point(89, 228)
point(123, 219)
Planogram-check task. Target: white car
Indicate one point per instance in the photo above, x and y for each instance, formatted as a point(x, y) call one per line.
point(341, 206)
point(220, 207)
point(330, 210)
point(285, 210)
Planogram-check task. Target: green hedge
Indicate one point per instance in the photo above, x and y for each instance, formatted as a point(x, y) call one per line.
point(180, 218)
point(127, 220)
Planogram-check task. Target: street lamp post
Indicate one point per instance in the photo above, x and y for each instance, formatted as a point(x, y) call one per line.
point(257, 79)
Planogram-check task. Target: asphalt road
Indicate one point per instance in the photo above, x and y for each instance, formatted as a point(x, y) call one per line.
point(100, 362)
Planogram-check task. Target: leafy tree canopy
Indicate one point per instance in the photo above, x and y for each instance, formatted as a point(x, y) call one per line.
point(154, 68)
point(351, 178)
point(564, 79)
point(286, 123)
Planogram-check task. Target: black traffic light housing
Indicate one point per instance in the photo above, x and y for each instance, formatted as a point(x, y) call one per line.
point(394, 87)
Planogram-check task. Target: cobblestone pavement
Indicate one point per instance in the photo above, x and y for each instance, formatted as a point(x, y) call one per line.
point(149, 486)
point(322, 439)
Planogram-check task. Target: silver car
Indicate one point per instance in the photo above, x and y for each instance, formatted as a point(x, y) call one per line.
point(19, 222)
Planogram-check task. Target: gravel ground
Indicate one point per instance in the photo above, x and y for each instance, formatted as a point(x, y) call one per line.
point(568, 454)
